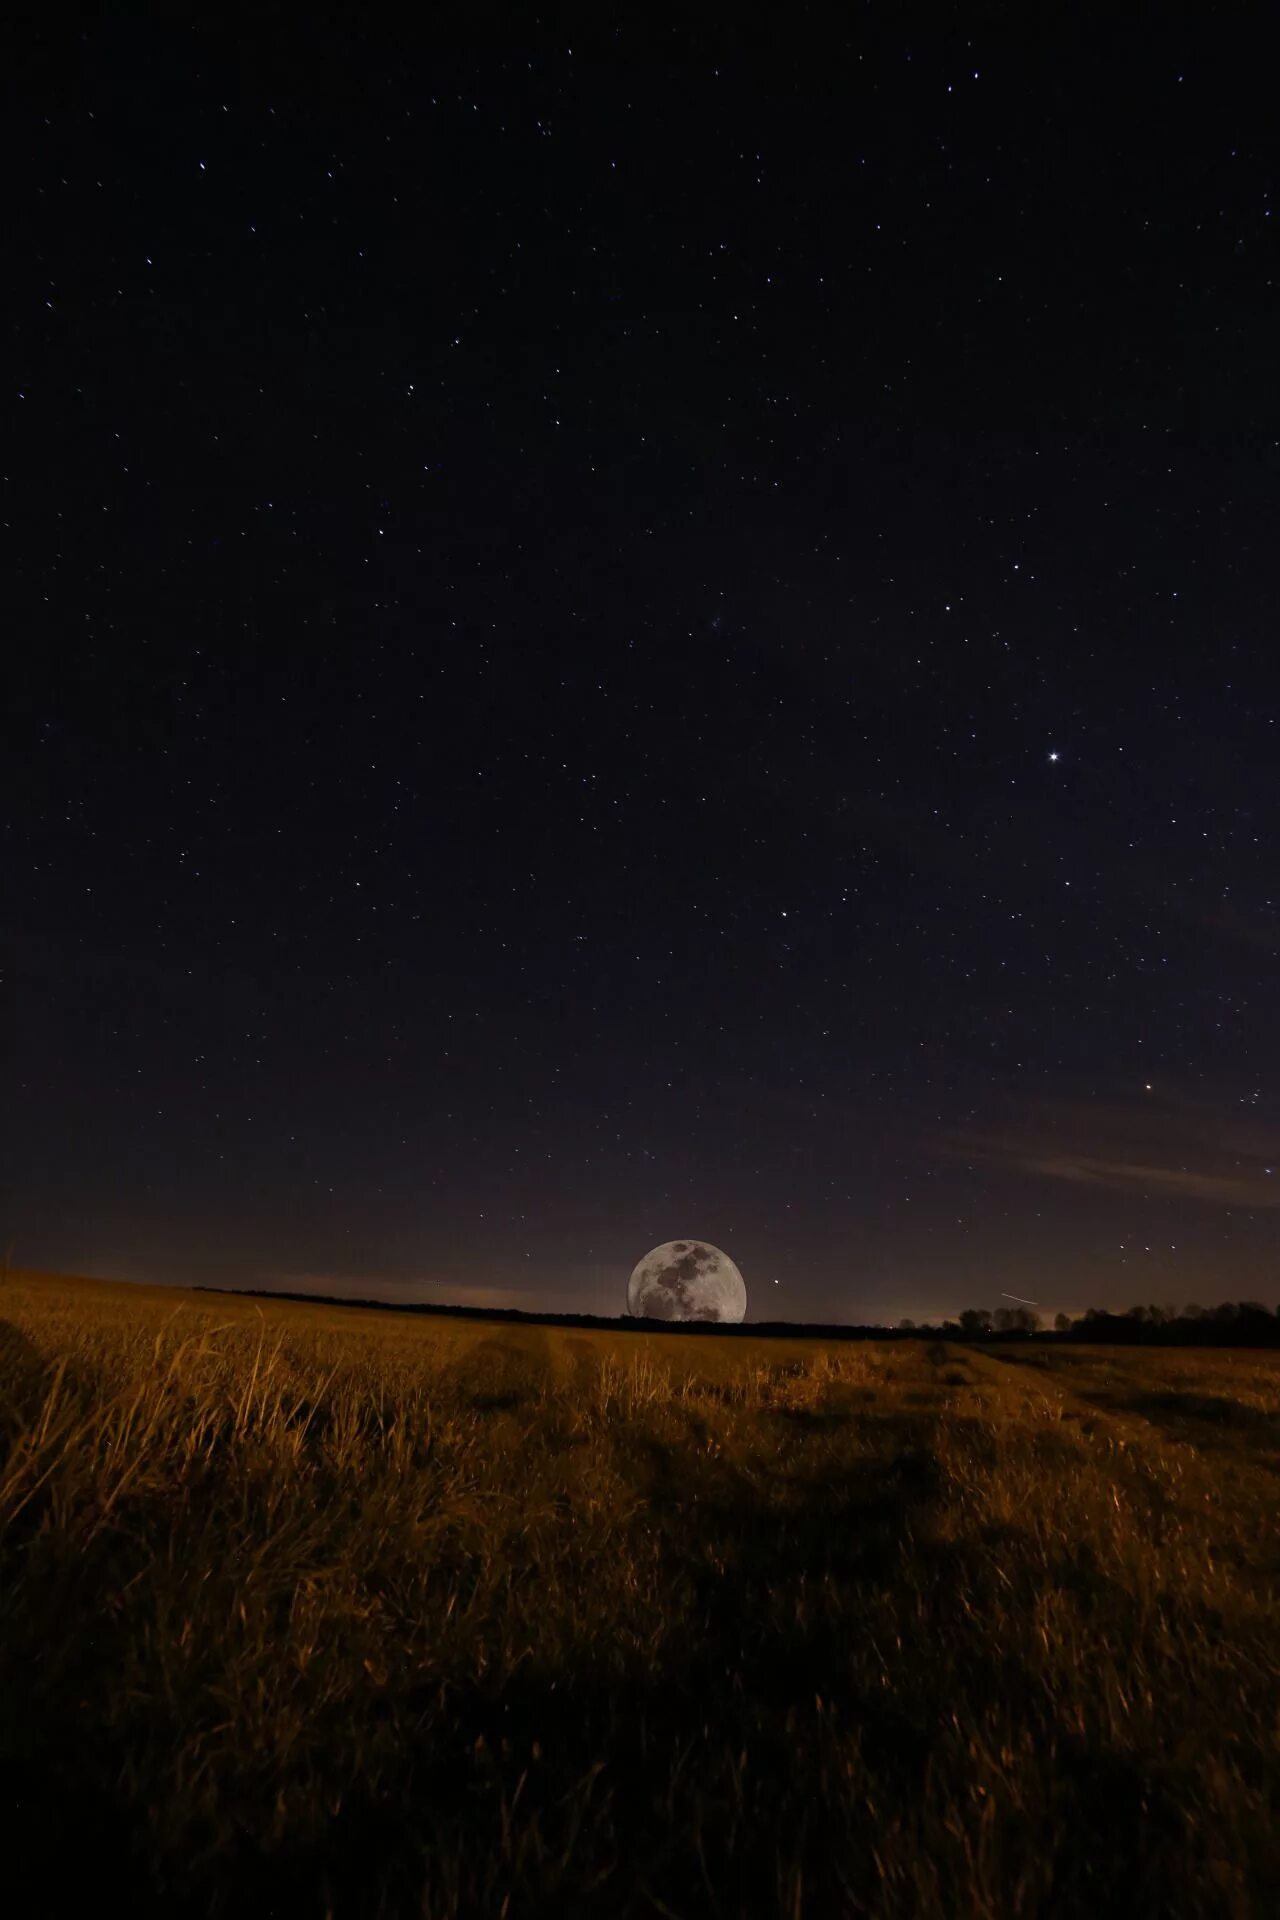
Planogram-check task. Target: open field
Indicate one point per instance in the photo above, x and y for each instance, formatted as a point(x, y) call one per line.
point(322, 1612)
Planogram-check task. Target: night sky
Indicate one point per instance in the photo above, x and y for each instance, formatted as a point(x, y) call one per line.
point(628, 632)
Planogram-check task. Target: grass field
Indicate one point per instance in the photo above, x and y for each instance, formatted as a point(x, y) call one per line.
point(315, 1611)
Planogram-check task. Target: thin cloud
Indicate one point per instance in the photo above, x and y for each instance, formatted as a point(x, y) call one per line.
point(397, 1287)
point(1175, 1150)
point(1128, 1176)
point(1257, 927)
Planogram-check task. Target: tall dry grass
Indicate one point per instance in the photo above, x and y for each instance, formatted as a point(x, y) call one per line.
point(335, 1613)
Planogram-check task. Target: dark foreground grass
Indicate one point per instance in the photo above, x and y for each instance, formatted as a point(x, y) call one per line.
point(316, 1612)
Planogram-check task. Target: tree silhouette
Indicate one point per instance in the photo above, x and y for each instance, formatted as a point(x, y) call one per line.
point(976, 1320)
point(1240, 1323)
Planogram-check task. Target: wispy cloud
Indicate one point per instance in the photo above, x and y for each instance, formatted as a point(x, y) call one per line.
point(1175, 1149)
point(1222, 1189)
point(393, 1287)
point(1256, 926)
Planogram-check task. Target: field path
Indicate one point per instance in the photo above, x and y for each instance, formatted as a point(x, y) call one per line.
point(315, 1609)
point(1197, 1453)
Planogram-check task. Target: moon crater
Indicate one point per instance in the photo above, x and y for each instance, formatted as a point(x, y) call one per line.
point(687, 1280)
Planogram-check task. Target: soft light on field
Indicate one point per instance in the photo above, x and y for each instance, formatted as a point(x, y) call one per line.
point(386, 1614)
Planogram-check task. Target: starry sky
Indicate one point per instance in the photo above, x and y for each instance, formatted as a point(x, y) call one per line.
point(644, 631)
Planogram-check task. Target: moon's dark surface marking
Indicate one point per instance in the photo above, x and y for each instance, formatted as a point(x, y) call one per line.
point(687, 1280)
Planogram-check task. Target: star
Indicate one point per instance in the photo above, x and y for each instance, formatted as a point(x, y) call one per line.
point(1055, 756)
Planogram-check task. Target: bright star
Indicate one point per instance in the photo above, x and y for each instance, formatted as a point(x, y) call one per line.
point(1055, 756)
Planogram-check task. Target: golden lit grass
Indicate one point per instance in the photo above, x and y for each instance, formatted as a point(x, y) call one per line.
point(336, 1612)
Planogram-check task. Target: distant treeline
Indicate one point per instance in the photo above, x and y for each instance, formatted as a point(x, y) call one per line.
point(1243, 1323)
point(1236, 1323)
point(623, 1323)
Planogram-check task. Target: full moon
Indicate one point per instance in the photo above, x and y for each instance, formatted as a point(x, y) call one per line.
point(687, 1280)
